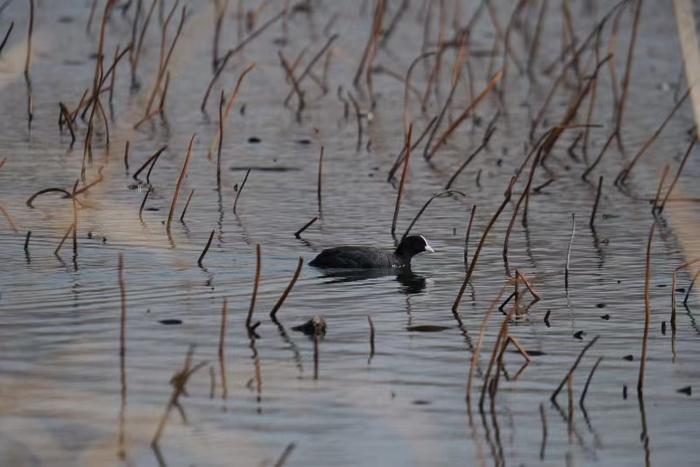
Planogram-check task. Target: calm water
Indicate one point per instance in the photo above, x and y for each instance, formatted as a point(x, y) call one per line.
point(62, 391)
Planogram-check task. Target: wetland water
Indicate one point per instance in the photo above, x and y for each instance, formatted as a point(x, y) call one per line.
point(66, 397)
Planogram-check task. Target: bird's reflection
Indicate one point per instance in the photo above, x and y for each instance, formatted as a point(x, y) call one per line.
point(411, 283)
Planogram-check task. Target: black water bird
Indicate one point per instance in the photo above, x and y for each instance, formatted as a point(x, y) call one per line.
point(362, 257)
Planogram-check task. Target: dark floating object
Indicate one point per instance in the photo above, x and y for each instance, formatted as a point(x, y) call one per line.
point(170, 322)
point(421, 402)
point(579, 334)
point(304, 141)
point(427, 328)
point(362, 257)
point(624, 391)
point(680, 289)
point(532, 353)
point(663, 328)
point(600, 305)
point(661, 286)
point(629, 358)
point(606, 317)
point(316, 326)
point(254, 140)
point(686, 390)
point(546, 318)
point(265, 169)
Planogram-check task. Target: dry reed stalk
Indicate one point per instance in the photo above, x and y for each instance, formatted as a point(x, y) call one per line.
point(285, 455)
point(240, 189)
point(624, 173)
point(298, 233)
point(310, 66)
point(647, 309)
point(498, 347)
point(7, 36)
point(407, 86)
point(600, 156)
point(690, 289)
point(187, 204)
point(249, 319)
point(30, 30)
point(371, 338)
point(206, 248)
point(655, 202)
point(65, 117)
point(7, 216)
point(477, 349)
point(543, 444)
point(150, 163)
point(301, 103)
point(628, 68)
point(442, 194)
point(122, 297)
point(484, 143)
point(535, 44)
point(135, 55)
point(528, 285)
point(234, 51)
point(358, 118)
point(570, 399)
point(466, 237)
point(472, 264)
point(673, 292)
point(283, 297)
point(63, 240)
point(403, 180)
point(588, 382)
point(220, 12)
point(400, 158)
point(463, 116)
point(143, 202)
point(26, 241)
point(591, 221)
point(178, 185)
point(379, 11)
point(75, 220)
point(222, 328)
point(318, 183)
point(554, 395)
point(568, 251)
point(678, 174)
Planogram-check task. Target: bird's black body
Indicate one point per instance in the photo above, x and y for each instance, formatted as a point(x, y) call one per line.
point(361, 257)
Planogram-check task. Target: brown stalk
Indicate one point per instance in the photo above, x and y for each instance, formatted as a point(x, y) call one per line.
point(628, 68)
point(249, 319)
point(371, 40)
point(178, 185)
point(283, 297)
point(600, 156)
point(498, 347)
point(240, 189)
point(554, 395)
point(187, 204)
point(143, 202)
point(222, 354)
point(655, 203)
point(234, 51)
point(150, 163)
point(407, 86)
point(358, 118)
point(310, 66)
point(647, 309)
point(442, 194)
point(622, 176)
point(135, 55)
point(528, 285)
point(65, 117)
point(301, 103)
point(9, 218)
point(400, 158)
point(63, 240)
point(484, 143)
point(298, 233)
point(318, 183)
point(535, 44)
point(591, 222)
point(206, 248)
point(678, 174)
point(472, 264)
point(122, 295)
point(403, 179)
point(463, 116)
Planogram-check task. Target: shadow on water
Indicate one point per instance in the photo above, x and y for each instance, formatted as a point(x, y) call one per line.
point(411, 283)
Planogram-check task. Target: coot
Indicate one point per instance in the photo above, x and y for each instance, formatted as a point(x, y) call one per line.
point(363, 257)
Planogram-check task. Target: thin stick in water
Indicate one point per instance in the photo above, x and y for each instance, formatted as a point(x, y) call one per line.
point(178, 185)
point(554, 395)
point(283, 297)
point(406, 161)
point(647, 309)
point(249, 319)
point(240, 189)
point(206, 248)
point(568, 251)
point(588, 382)
point(318, 183)
point(187, 204)
point(371, 338)
point(122, 296)
point(298, 233)
point(591, 222)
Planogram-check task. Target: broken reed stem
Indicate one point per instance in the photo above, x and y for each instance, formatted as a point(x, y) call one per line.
point(484, 143)
point(554, 395)
point(75, 220)
point(498, 347)
point(222, 328)
point(588, 382)
point(463, 116)
point(7, 36)
point(408, 86)
point(65, 117)
point(690, 288)
point(600, 155)
point(249, 319)
point(647, 309)
point(220, 140)
point(285, 455)
point(231, 53)
point(678, 174)
point(371, 338)
point(126, 157)
point(543, 418)
point(591, 222)
point(283, 297)
point(178, 185)
point(568, 251)
point(206, 248)
point(374, 33)
point(628, 68)
point(26, 241)
point(289, 71)
point(318, 183)
point(472, 264)
point(477, 349)
point(406, 161)
point(400, 158)
point(308, 68)
point(624, 173)
point(143, 202)
point(442, 194)
point(240, 189)
point(187, 204)
point(150, 163)
point(298, 233)
point(122, 296)
point(28, 58)
point(63, 240)
point(655, 202)
point(570, 399)
point(466, 237)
